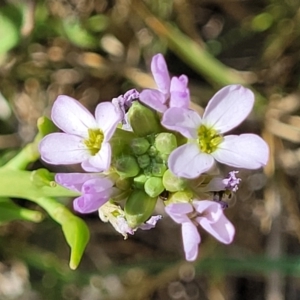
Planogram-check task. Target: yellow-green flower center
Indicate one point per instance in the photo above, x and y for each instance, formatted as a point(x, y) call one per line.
point(94, 141)
point(208, 139)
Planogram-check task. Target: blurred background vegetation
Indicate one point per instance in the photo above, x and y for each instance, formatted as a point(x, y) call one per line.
point(95, 50)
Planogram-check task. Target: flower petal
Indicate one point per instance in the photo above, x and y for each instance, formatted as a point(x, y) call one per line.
point(74, 181)
point(221, 228)
point(72, 117)
point(99, 162)
point(228, 108)
point(62, 148)
point(210, 209)
point(89, 203)
point(178, 212)
point(160, 73)
point(154, 99)
point(108, 117)
point(98, 185)
point(151, 223)
point(191, 240)
point(247, 151)
point(180, 94)
point(187, 161)
point(185, 121)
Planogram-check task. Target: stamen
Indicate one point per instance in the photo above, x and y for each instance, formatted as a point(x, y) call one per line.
point(208, 139)
point(94, 141)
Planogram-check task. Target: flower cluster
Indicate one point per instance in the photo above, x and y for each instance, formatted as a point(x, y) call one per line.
point(150, 146)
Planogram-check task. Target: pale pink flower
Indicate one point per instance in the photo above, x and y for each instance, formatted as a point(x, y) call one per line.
point(95, 189)
point(209, 215)
point(85, 138)
point(171, 92)
point(226, 110)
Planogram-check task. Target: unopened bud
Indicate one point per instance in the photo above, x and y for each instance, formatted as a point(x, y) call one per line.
point(152, 151)
point(165, 142)
point(123, 183)
point(127, 166)
point(173, 183)
point(139, 181)
point(154, 186)
point(158, 169)
point(143, 160)
point(138, 208)
point(143, 120)
point(139, 146)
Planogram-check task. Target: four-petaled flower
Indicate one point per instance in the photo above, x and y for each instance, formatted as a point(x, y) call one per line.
point(171, 92)
point(95, 189)
point(85, 139)
point(209, 215)
point(226, 110)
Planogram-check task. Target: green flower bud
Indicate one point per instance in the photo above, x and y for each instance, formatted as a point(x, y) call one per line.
point(120, 142)
point(123, 183)
point(165, 142)
point(158, 169)
point(139, 146)
point(180, 197)
point(173, 183)
point(148, 171)
point(138, 208)
point(161, 158)
point(143, 161)
point(143, 120)
point(154, 186)
point(127, 166)
point(152, 151)
point(139, 181)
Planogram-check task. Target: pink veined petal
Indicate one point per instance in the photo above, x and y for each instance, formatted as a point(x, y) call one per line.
point(154, 99)
point(72, 117)
point(62, 148)
point(221, 229)
point(179, 93)
point(185, 121)
point(99, 162)
point(211, 210)
point(74, 181)
point(98, 185)
point(178, 212)
point(191, 240)
point(228, 108)
point(160, 73)
point(107, 117)
point(151, 223)
point(247, 151)
point(89, 203)
point(187, 161)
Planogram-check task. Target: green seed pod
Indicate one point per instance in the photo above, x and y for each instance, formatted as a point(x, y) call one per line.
point(165, 142)
point(143, 120)
point(173, 183)
point(138, 208)
point(143, 161)
point(127, 166)
point(139, 146)
point(154, 186)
